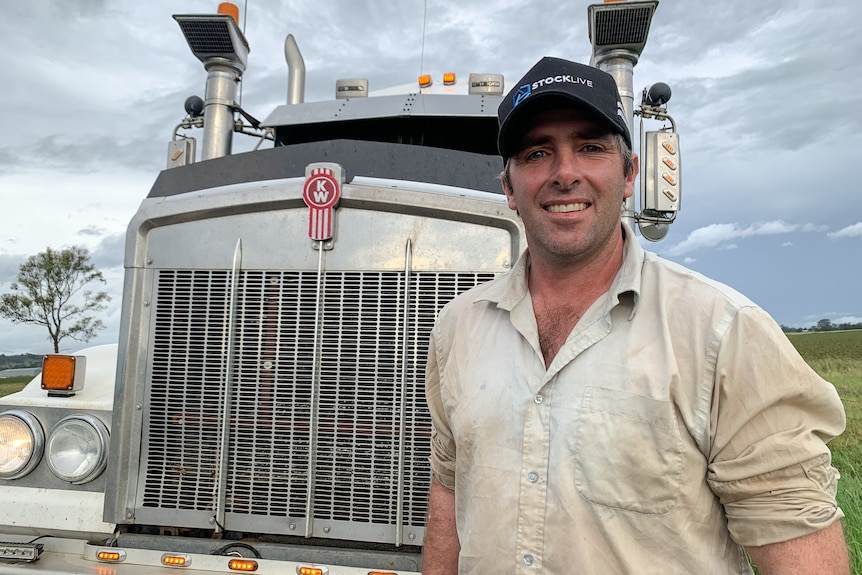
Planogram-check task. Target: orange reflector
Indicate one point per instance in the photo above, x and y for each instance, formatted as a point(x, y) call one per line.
point(448, 78)
point(242, 565)
point(176, 560)
point(424, 80)
point(382, 573)
point(229, 9)
point(312, 570)
point(58, 372)
point(112, 555)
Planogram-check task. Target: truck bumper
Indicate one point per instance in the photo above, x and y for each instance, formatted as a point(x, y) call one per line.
point(77, 557)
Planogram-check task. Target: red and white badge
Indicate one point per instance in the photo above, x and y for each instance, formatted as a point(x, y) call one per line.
point(321, 193)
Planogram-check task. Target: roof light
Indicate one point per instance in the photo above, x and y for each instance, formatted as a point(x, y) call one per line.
point(312, 570)
point(246, 565)
point(449, 78)
point(21, 443)
point(172, 560)
point(351, 88)
point(229, 9)
point(425, 80)
point(63, 375)
point(486, 84)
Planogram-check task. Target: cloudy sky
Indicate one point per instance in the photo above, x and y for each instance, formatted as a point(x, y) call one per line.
point(767, 97)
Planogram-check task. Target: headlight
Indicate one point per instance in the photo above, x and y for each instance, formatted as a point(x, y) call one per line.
point(21, 443)
point(77, 448)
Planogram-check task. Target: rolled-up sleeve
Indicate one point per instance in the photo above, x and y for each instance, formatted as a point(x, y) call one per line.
point(771, 419)
point(442, 444)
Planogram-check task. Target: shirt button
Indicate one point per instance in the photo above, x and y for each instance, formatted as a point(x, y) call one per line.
point(528, 560)
point(538, 399)
point(533, 477)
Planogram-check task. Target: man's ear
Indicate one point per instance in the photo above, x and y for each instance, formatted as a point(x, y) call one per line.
point(631, 176)
point(507, 189)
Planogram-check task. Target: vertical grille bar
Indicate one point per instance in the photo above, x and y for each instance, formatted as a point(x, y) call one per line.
point(227, 387)
point(402, 392)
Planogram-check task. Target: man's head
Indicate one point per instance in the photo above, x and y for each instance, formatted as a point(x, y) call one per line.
point(552, 83)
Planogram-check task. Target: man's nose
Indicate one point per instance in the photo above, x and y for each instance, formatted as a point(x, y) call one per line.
point(566, 169)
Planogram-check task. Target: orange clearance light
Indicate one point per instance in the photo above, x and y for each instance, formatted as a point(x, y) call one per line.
point(382, 573)
point(308, 570)
point(176, 560)
point(63, 374)
point(111, 555)
point(229, 9)
point(424, 80)
point(246, 565)
point(448, 78)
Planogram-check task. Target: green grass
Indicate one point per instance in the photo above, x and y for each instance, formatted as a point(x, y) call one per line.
point(12, 384)
point(837, 357)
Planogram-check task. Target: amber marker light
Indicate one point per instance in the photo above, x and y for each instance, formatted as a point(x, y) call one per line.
point(63, 374)
point(312, 570)
point(172, 560)
point(246, 565)
point(424, 80)
point(449, 78)
point(111, 555)
point(382, 573)
point(229, 9)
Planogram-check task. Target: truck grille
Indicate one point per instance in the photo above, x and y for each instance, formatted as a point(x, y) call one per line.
point(340, 451)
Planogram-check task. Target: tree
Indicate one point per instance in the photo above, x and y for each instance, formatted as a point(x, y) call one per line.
point(50, 291)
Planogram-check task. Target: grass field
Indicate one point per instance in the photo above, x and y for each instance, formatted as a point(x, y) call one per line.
point(837, 357)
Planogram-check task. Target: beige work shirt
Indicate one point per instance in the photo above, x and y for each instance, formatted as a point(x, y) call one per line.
point(676, 424)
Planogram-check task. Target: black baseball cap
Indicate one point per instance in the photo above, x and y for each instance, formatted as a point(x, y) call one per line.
point(565, 81)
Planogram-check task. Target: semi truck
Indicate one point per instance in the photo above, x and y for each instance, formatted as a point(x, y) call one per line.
point(263, 408)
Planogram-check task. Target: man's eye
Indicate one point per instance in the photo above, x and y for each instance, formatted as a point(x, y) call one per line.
point(592, 148)
point(535, 155)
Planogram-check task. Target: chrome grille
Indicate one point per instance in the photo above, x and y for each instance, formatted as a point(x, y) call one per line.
point(338, 440)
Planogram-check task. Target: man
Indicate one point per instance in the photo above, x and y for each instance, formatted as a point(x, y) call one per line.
point(600, 410)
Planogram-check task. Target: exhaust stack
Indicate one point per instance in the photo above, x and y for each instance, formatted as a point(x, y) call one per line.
point(618, 33)
point(217, 41)
point(295, 71)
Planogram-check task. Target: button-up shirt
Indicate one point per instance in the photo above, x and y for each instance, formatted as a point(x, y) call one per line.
point(675, 425)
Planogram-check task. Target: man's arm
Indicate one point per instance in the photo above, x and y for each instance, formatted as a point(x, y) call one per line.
point(820, 552)
point(441, 546)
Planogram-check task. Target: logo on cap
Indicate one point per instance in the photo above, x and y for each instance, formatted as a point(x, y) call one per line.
point(621, 112)
point(522, 93)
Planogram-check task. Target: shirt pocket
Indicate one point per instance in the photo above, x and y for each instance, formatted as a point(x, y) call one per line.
point(628, 452)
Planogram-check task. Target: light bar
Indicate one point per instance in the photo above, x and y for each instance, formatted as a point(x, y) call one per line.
point(63, 375)
point(27, 552)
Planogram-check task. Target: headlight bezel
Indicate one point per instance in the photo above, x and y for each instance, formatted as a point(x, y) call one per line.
point(37, 442)
point(100, 434)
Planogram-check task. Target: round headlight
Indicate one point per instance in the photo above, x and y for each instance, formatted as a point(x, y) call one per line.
point(77, 448)
point(21, 443)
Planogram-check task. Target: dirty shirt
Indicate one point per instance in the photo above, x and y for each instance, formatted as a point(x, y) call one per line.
point(676, 425)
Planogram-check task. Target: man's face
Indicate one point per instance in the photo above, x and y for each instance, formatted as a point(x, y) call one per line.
point(567, 182)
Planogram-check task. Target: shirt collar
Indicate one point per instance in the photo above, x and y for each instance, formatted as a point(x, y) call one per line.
point(512, 288)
